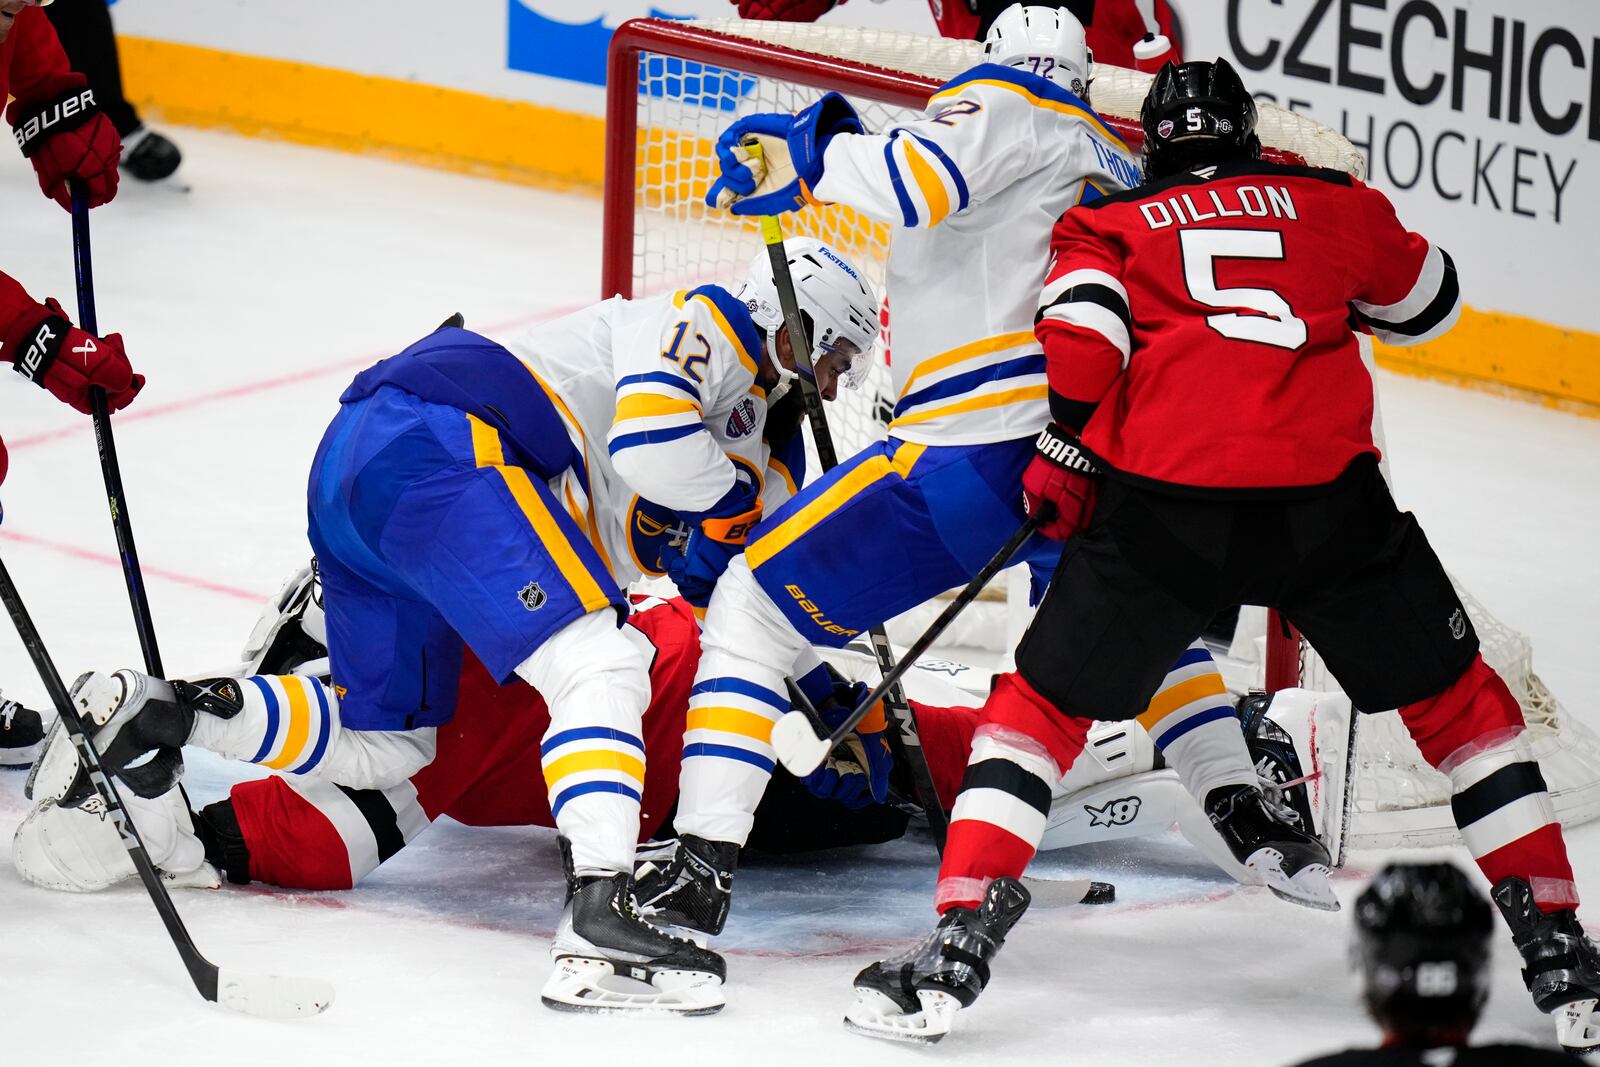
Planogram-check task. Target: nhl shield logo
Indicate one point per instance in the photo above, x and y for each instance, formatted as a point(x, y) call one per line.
point(533, 596)
point(742, 421)
point(1114, 813)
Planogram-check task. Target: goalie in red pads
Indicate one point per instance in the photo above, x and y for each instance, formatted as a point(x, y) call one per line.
point(1212, 446)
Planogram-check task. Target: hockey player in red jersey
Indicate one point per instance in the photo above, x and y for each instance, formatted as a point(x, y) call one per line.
point(1140, 34)
point(1212, 446)
point(62, 132)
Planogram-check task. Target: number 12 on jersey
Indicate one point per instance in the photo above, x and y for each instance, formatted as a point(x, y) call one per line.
point(1276, 323)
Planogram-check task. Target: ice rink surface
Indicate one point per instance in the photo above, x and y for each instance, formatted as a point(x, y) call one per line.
point(250, 302)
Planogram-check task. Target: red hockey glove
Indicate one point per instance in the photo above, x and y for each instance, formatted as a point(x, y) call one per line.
point(47, 349)
point(63, 132)
point(1060, 478)
point(784, 10)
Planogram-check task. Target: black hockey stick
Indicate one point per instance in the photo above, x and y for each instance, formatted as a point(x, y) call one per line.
point(268, 996)
point(904, 738)
point(107, 446)
point(794, 737)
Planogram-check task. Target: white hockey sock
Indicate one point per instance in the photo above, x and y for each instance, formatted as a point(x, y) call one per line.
point(596, 682)
point(1192, 721)
point(747, 649)
point(288, 723)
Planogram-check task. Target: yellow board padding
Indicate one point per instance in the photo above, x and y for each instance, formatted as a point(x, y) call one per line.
point(1509, 354)
point(447, 128)
point(531, 144)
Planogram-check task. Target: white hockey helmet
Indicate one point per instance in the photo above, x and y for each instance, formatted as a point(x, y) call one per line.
point(839, 303)
point(1024, 34)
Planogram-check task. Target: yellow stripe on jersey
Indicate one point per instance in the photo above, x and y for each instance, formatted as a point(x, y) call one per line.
point(987, 346)
point(583, 444)
point(1038, 101)
point(933, 190)
point(679, 297)
point(731, 721)
point(1171, 699)
point(294, 742)
point(790, 529)
point(745, 358)
point(487, 450)
point(783, 472)
point(645, 405)
point(976, 403)
point(595, 759)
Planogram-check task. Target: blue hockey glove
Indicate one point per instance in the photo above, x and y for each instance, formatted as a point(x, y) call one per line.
point(791, 157)
point(718, 536)
point(856, 772)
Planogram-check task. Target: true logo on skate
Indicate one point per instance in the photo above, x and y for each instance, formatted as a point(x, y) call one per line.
point(1114, 813)
point(1458, 624)
point(533, 596)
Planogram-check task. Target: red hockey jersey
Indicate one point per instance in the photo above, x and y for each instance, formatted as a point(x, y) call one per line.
point(1207, 321)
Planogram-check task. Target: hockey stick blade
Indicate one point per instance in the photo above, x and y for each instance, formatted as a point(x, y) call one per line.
point(797, 744)
point(1069, 890)
point(271, 996)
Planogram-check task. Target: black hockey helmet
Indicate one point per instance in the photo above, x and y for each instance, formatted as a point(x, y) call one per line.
point(1422, 946)
point(1195, 114)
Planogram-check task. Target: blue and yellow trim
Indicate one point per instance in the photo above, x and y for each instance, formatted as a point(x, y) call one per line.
point(733, 319)
point(873, 468)
point(1040, 92)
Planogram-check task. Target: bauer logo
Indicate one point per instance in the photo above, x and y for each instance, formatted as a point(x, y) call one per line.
point(533, 596)
point(541, 38)
point(742, 421)
point(1114, 813)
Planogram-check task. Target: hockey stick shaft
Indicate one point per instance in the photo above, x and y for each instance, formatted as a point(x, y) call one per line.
point(905, 737)
point(891, 677)
point(201, 970)
point(106, 445)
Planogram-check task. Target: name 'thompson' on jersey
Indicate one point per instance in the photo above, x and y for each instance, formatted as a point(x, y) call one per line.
point(1206, 321)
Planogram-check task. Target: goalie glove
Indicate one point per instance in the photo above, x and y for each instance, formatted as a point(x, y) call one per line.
point(856, 772)
point(719, 534)
point(770, 162)
point(1060, 478)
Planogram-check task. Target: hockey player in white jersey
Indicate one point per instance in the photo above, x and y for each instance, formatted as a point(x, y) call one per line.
point(498, 496)
point(973, 189)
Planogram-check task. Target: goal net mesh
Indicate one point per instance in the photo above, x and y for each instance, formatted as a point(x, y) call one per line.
point(685, 95)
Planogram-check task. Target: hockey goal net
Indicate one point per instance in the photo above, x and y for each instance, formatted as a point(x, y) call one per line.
point(674, 86)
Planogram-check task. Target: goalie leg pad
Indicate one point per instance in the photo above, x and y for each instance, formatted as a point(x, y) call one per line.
point(80, 850)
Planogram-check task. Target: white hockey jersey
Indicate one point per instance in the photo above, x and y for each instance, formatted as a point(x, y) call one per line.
point(660, 396)
point(977, 186)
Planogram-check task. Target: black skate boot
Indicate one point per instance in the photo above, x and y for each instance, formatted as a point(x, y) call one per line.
point(21, 734)
point(1561, 966)
point(149, 156)
point(609, 959)
point(687, 883)
point(915, 996)
point(1291, 862)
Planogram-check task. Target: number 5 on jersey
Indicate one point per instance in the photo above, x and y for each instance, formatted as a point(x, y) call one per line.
point(1276, 323)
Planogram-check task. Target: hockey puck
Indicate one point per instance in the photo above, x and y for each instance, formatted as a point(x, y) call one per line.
point(1100, 893)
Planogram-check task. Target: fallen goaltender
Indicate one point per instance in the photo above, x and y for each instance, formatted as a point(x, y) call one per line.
point(334, 824)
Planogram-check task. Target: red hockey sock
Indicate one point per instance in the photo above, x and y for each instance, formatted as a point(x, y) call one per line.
point(1018, 755)
point(1500, 801)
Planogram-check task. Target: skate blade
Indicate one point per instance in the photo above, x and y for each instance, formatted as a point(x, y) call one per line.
point(875, 1014)
point(1309, 886)
point(1578, 1027)
point(585, 984)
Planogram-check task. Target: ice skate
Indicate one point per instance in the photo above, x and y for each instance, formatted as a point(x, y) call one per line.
point(1561, 965)
point(687, 883)
point(21, 734)
point(608, 959)
point(1291, 862)
point(914, 996)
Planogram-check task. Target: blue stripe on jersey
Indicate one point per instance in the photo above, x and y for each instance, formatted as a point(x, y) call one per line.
point(743, 688)
point(652, 437)
point(322, 738)
point(1190, 657)
point(1091, 192)
point(272, 718)
point(906, 209)
point(738, 317)
point(1037, 85)
point(949, 165)
point(661, 377)
point(1194, 722)
point(588, 733)
point(729, 752)
point(961, 383)
point(584, 788)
